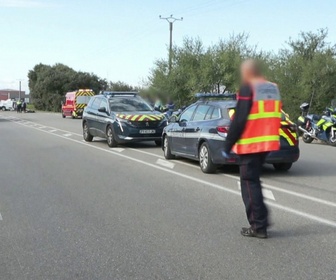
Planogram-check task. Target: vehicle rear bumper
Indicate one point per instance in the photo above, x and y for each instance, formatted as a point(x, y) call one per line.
point(78, 113)
point(288, 155)
point(285, 155)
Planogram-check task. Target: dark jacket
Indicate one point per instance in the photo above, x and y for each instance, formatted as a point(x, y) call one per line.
point(243, 108)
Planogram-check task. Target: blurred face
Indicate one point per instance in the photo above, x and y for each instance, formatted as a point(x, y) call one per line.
point(245, 74)
point(248, 71)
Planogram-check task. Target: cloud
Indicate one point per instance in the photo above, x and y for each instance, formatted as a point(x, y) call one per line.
point(24, 3)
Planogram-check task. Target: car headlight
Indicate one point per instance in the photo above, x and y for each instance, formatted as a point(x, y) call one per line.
point(123, 121)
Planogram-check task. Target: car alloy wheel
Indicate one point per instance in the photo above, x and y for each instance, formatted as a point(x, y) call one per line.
point(206, 164)
point(166, 149)
point(111, 142)
point(204, 157)
point(86, 134)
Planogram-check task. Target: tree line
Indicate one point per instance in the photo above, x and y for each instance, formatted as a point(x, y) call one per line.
point(305, 69)
point(48, 85)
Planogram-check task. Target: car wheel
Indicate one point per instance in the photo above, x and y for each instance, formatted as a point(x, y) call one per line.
point(63, 116)
point(158, 143)
point(206, 164)
point(166, 149)
point(3, 108)
point(86, 133)
point(283, 166)
point(111, 142)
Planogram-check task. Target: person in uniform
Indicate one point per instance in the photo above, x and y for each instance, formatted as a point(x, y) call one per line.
point(253, 133)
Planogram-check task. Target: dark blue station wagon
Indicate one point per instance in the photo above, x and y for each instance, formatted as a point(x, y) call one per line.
point(200, 131)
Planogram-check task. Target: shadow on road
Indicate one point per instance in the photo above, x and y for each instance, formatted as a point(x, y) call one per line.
point(301, 231)
point(3, 120)
point(303, 168)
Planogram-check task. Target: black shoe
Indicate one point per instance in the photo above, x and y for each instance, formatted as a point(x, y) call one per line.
point(250, 232)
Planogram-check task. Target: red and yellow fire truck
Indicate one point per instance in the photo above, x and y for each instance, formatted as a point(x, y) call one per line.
point(75, 102)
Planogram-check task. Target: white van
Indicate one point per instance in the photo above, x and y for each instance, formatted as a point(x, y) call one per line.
point(7, 105)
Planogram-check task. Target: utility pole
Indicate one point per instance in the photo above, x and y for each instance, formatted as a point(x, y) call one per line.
point(19, 89)
point(171, 21)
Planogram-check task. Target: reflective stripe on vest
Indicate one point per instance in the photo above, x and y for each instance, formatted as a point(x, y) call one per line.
point(261, 132)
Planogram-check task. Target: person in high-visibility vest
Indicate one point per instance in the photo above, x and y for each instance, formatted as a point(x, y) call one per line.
point(253, 133)
point(18, 106)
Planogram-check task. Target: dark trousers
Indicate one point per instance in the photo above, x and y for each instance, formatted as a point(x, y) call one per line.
point(250, 170)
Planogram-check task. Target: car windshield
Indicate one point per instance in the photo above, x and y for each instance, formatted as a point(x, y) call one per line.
point(83, 99)
point(133, 104)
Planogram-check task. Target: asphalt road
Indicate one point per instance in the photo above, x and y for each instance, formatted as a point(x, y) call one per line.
point(72, 210)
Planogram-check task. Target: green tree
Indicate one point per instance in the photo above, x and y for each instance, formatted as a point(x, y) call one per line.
point(48, 84)
point(200, 69)
point(306, 71)
point(121, 86)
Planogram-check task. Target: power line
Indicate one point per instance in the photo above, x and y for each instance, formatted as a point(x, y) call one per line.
point(171, 21)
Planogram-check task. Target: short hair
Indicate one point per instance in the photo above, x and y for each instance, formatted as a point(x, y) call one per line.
point(252, 65)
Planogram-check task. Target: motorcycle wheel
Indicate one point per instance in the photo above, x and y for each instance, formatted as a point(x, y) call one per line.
point(307, 139)
point(332, 141)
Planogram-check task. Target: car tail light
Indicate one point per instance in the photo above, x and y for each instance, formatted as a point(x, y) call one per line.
point(222, 129)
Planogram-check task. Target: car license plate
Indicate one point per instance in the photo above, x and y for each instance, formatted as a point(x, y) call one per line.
point(147, 131)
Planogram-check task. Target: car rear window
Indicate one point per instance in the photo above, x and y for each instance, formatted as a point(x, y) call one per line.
point(132, 104)
point(215, 114)
point(201, 112)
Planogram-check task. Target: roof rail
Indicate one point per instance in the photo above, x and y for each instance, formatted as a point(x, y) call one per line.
point(119, 93)
point(225, 96)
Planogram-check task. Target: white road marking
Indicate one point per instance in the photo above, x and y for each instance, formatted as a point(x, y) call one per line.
point(146, 153)
point(231, 176)
point(178, 161)
point(165, 163)
point(119, 150)
point(302, 214)
point(304, 196)
point(266, 193)
point(322, 201)
point(200, 181)
point(67, 134)
point(53, 130)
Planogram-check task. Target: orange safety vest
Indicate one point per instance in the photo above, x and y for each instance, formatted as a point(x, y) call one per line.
point(261, 133)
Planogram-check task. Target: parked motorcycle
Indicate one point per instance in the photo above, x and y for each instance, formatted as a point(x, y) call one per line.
point(315, 127)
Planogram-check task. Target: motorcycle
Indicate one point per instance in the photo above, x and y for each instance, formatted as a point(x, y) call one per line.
point(315, 127)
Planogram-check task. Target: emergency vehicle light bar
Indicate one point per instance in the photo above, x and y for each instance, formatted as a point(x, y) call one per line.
point(119, 93)
point(226, 95)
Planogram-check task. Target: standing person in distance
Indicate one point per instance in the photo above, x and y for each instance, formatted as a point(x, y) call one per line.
point(253, 133)
point(18, 106)
point(24, 106)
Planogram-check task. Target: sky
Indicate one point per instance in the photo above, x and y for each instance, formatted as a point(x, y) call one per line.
point(121, 39)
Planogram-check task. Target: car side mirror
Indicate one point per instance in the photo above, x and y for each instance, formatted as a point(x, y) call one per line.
point(102, 110)
point(172, 119)
point(183, 123)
